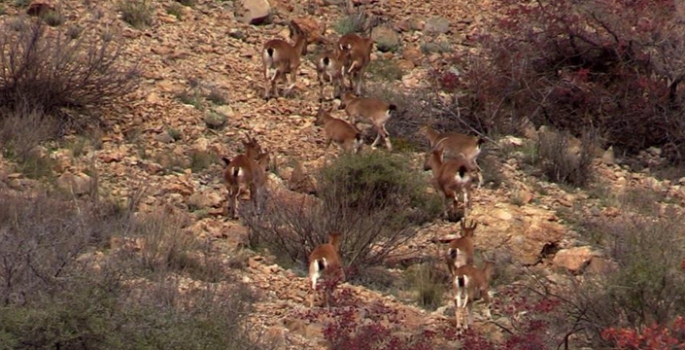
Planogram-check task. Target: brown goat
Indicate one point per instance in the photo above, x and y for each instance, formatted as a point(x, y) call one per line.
point(471, 284)
point(280, 59)
point(454, 144)
point(369, 110)
point(324, 261)
point(357, 60)
point(330, 69)
point(338, 130)
point(450, 177)
point(249, 169)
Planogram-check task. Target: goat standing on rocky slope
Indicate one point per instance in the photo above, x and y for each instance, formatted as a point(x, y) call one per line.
point(324, 261)
point(358, 50)
point(369, 110)
point(471, 284)
point(455, 144)
point(249, 169)
point(280, 59)
point(330, 69)
point(450, 177)
point(338, 130)
point(461, 251)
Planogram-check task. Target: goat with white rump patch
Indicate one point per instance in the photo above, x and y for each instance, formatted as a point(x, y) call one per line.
point(357, 60)
point(461, 251)
point(454, 144)
point(280, 59)
point(471, 284)
point(246, 170)
point(324, 261)
point(450, 177)
point(330, 69)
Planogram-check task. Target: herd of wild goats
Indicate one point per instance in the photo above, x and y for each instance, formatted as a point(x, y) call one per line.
point(452, 158)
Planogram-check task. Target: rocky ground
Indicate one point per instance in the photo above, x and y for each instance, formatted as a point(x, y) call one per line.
point(155, 139)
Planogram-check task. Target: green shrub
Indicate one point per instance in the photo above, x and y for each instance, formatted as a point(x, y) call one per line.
point(137, 13)
point(387, 70)
point(354, 23)
point(375, 199)
point(201, 160)
point(647, 284)
point(375, 180)
point(429, 284)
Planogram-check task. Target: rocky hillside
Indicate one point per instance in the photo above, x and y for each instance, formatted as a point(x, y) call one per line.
point(201, 90)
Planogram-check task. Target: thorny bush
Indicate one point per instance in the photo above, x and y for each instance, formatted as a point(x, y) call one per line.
point(47, 70)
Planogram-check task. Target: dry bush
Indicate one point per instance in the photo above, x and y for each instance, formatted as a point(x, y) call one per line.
point(48, 71)
point(419, 107)
point(352, 23)
point(559, 163)
point(375, 199)
point(58, 291)
point(647, 285)
point(429, 283)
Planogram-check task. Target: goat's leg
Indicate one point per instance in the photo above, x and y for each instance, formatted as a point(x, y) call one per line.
point(386, 136)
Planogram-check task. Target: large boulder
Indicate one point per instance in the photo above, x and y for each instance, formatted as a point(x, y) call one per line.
point(253, 11)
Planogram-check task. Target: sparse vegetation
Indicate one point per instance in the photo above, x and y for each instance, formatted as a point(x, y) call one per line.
point(374, 199)
point(385, 70)
point(215, 120)
point(429, 283)
point(138, 13)
point(52, 18)
point(436, 47)
point(189, 3)
point(59, 292)
point(353, 23)
point(201, 160)
point(217, 96)
point(176, 10)
point(560, 163)
point(44, 73)
point(191, 97)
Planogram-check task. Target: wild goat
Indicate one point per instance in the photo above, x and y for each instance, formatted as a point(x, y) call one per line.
point(461, 250)
point(248, 169)
point(358, 57)
point(324, 261)
point(450, 177)
point(338, 130)
point(280, 59)
point(329, 69)
point(471, 284)
point(455, 144)
point(370, 110)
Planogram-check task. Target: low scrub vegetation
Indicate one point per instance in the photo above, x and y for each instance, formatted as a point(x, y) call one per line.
point(562, 163)
point(375, 199)
point(90, 275)
point(49, 71)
